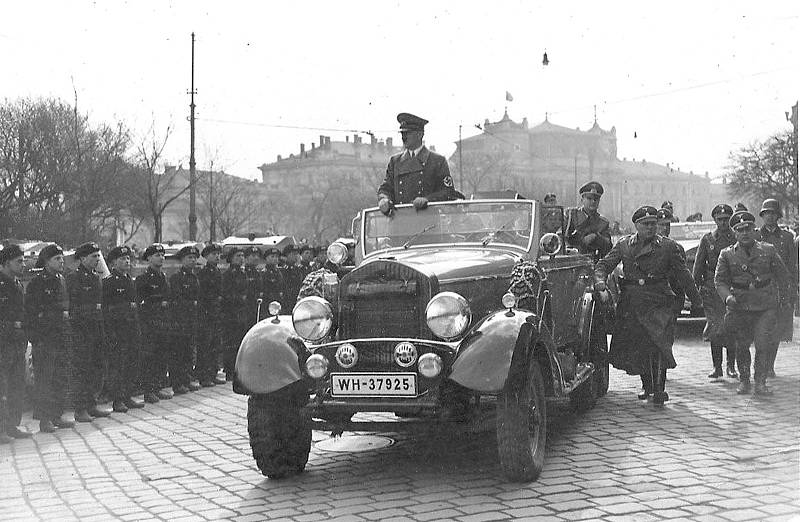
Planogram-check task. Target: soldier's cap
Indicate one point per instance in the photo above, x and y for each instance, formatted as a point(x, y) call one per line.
point(742, 219)
point(47, 253)
point(644, 213)
point(667, 204)
point(664, 215)
point(210, 249)
point(549, 196)
point(251, 250)
point(155, 248)
point(187, 251)
point(771, 205)
point(272, 251)
point(289, 249)
point(409, 122)
point(722, 210)
point(10, 252)
point(232, 252)
point(740, 206)
point(86, 249)
point(305, 247)
point(592, 187)
point(117, 252)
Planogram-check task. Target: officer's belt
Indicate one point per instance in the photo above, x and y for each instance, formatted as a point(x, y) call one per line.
point(121, 307)
point(755, 284)
point(51, 315)
point(86, 309)
point(641, 282)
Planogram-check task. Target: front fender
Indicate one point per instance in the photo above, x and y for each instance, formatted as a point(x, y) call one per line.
point(484, 357)
point(269, 357)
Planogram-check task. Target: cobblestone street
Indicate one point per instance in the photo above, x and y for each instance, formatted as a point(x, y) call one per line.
point(708, 455)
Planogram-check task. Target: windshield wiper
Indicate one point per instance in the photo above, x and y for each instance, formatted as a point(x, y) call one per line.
point(491, 235)
point(415, 236)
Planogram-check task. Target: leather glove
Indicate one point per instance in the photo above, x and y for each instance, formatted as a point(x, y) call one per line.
point(386, 206)
point(588, 238)
point(420, 203)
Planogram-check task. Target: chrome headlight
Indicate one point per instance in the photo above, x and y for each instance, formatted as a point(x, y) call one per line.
point(317, 366)
point(312, 318)
point(274, 308)
point(430, 365)
point(337, 253)
point(448, 315)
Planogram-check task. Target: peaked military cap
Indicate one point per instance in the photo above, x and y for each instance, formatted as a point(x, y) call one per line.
point(232, 252)
point(288, 249)
point(742, 219)
point(592, 187)
point(771, 205)
point(86, 249)
point(722, 210)
point(667, 204)
point(251, 250)
point(644, 212)
point(47, 253)
point(409, 122)
point(740, 206)
point(10, 252)
point(155, 248)
point(187, 251)
point(209, 249)
point(664, 215)
point(117, 252)
point(272, 251)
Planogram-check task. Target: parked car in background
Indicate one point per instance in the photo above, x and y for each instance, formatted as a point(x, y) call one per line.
point(688, 235)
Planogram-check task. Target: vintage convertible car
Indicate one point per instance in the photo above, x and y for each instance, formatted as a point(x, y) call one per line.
point(457, 315)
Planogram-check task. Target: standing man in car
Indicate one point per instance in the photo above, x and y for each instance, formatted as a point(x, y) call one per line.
point(587, 230)
point(705, 266)
point(416, 175)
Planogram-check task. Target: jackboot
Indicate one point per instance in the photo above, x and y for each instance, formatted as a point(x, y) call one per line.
point(717, 373)
point(17, 433)
point(762, 389)
point(132, 404)
point(119, 406)
point(58, 422)
point(151, 398)
point(731, 371)
point(97, 412)
point(744, 386)
point(82, 416)
point(46, 426)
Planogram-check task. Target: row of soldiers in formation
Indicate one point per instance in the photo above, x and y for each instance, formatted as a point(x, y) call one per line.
point(745, 278)
point(129, 335)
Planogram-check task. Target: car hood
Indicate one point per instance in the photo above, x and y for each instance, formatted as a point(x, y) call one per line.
point(454, 263)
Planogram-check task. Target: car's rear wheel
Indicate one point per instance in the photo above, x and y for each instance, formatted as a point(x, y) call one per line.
point(522, 427)
point(280, 435)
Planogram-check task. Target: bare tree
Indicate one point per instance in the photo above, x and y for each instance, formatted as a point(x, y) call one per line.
point(481, 168)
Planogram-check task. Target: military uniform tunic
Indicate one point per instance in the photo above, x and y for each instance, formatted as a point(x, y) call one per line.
point(705, 265)
point(425, 175)
point(120, 312)
point(12, 352)
point(210, 280)
point(273, 287)
point(234, 314)
point(783, 241)
point(185, 296)
point(755, 277)
point(88, 351)
point(293, 276)
point(47, 324)
point(156, 322)
point(580, 224)
point(644, 319)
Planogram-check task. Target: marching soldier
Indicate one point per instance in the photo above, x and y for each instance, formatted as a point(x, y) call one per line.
point(122, 329)
point(272, 284)
point(750, 278)
point(12, 344)
point(783, 241)
point(185, 296)
point(234, 309)
point(586, 229)
point(705, 265)
point(86, 312)
point(210, 279)
point(47, 323)
point(416, 175)
point(152, 290)
point(292, 277)
point(645, 326)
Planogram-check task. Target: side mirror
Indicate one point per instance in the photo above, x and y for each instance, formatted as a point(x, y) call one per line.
point(550, 244)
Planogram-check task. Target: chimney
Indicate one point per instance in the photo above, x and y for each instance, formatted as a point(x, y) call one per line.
point(389, 142)
point(279, 157)
point(302, 149)
point(355, 139)
point(313, 145)
point(321, 141)
point(374, 140)
point(347, 139)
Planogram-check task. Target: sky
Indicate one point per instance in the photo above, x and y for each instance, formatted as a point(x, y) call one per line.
point(691, 80)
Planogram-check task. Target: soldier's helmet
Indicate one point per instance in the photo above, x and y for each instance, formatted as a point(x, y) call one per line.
point(742, 219)
point(771, 205)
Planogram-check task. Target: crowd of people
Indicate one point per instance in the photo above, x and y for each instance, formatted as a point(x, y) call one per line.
point(122, 336)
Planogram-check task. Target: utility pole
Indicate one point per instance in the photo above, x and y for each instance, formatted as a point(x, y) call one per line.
point(192, 171)
point(461, 162)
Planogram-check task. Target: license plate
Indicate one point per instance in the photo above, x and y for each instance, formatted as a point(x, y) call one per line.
point(374, 384)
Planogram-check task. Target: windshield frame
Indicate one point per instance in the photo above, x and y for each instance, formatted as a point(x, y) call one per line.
point(530, 248)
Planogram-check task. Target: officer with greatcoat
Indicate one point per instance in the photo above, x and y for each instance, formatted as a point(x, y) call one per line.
point(185, 300)
point(120, 312)
point(587, 230)
point(705, 265)
point(234, 309)
point(208, 348)
point(47, 324)
point(293, 276)
point(86, 313)
point(416, 175)
point(152, 290)
point(750, 279)
point(644, 331)
point(783, 241)
point(12, 344)
point(273, 287)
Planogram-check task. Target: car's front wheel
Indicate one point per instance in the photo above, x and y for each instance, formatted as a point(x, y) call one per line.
point(280, 435)
point(522, 427)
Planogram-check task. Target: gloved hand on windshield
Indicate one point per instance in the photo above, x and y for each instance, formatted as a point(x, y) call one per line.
point(386, 206)
point(420, 203)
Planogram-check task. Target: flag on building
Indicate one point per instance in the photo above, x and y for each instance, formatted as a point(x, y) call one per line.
point(509, 97)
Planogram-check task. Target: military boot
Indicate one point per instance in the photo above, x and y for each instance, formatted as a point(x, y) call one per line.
point(58, 422)
point(716, 374)
point(762, 389)
point(119, 406)
point(151, 398)
point(731, 371)
point(744, 386)
point(82, 416)
point(46, 426)
point(97, 412)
